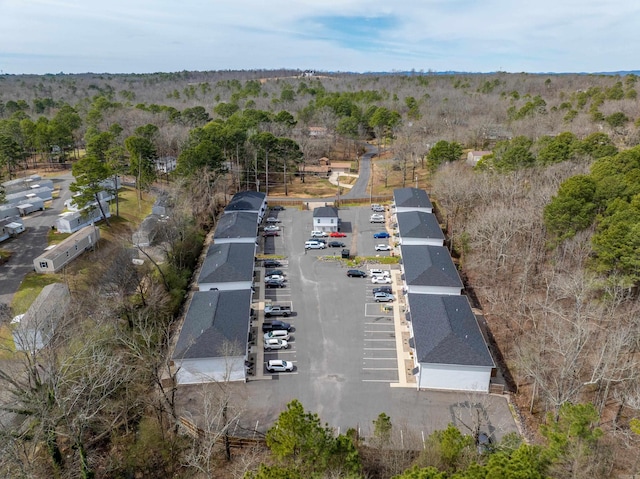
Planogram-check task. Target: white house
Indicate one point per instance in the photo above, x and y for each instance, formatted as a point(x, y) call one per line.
point(28, 207)
point(166, 164)
point(411, 199)
point(71, 222)
point(429, 270)
point(227, 267)
point(37, 325)
point(43, 193)
point(450, 352)
point(325, 218)
point(419, 228)
point(213, 344)
point(58, 256)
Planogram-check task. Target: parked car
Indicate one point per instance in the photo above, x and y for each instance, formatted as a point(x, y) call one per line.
point(383, 247)
point(337, 234)
point(277, 310)
point(277, 333)
point(374, 206)
point(275, 324)
point(271, 228)
point(383, 297)
point(279, 365)
point(271, 272)
point(272, 219)
point(377, 208)
point(319, 240)
point(381, 234)
point(382, 289)
point(319, 234)
point(274, 283)
point(379, 272)
point(315, 245)
point(336, 244)
point(380, 279)
point(277, 208)
point(270, 233)
point(271, 263)
point(376, 218)
point(274, 277)
point(356, 273)
point(275, 343)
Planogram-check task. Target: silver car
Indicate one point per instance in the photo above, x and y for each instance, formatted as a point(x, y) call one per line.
point(275, 343)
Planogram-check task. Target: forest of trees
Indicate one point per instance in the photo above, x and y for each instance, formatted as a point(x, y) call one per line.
point(544, 228)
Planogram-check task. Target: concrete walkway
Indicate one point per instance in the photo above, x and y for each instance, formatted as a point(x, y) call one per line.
point(335, 176)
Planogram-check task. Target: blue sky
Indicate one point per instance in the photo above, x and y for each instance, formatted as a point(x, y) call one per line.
point(140, 36)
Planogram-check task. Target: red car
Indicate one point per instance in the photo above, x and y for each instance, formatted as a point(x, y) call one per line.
point(337, 234)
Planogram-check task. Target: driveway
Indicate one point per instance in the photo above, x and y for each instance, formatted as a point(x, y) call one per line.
point(30, 244)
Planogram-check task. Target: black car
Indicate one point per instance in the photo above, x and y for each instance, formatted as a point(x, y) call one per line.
point(356, 273)
point(382, 289)
point(277, 208)
point(274, 325)
point(271, 263)
point(274, 283)
point(336, 244)
point(271, 272)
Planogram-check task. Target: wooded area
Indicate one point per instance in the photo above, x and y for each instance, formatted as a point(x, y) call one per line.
point(545, 229)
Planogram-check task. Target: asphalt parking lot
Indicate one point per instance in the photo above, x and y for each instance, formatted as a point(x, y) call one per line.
point(347, 350)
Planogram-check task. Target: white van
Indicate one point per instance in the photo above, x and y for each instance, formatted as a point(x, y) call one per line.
point(315, 245)
point(318, 234)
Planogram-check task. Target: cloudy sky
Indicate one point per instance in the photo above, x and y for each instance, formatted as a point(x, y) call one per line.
point(140, 36)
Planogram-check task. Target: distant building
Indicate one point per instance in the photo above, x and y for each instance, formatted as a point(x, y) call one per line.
point(166, 164)
point(473, 157)
point(325, 218)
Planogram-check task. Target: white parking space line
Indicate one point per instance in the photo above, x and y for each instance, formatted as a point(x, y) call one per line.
point(379, 349)
point(380, 381)
point(379, 369)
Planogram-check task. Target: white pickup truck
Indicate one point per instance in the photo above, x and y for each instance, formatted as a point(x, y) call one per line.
point(277, 310)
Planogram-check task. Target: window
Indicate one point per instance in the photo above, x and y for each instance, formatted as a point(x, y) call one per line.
point(44, 265)
point(317, 220)
point(331, 220)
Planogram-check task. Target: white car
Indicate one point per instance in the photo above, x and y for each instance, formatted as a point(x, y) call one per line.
point(377, 208)
point(277, 334)
point(279, 365)
point(275, 343)
point(383, 247)
point(272, 219)
point(379, 272)
point(319, 234)
point(376, 218)
point(272, 228)
point(380, 279)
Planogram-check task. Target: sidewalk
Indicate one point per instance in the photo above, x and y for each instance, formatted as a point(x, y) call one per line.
point(406, 379)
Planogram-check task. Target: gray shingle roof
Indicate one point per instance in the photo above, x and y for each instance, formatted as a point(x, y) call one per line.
point(238, 224)
point(411, 198)
point(429, 266)
point(246, 201)
point(445, 331)
point(228, 262)
point(418, 224)
point(215, 320)
point(325, 212)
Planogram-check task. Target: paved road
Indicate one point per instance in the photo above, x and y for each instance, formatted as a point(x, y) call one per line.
point(30, 244)
point(359, 189)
